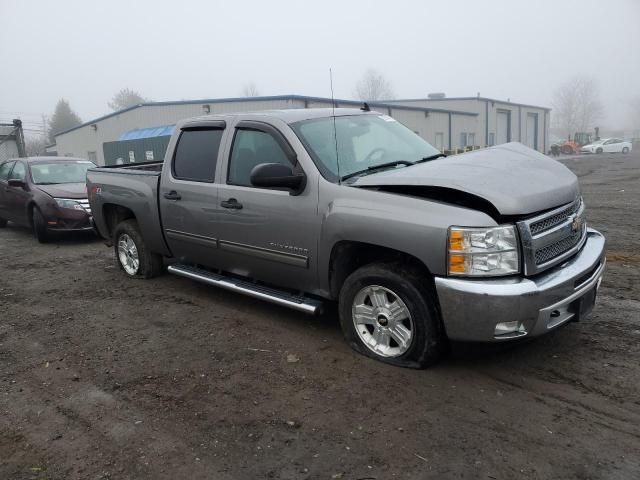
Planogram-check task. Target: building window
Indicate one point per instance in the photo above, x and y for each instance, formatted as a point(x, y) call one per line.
point(471, 139)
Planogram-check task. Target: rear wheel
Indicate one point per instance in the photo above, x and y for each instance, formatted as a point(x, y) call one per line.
point(132, 254)
point(388, 314)
point(40, 226)
point(599, 150)
point(625, 150)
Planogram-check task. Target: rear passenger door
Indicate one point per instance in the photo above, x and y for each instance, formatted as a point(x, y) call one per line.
point(188, 194)
point(18, 197)
point(267, 234)
point(5, 170)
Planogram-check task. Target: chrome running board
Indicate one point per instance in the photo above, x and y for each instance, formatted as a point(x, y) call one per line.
point(279, 297)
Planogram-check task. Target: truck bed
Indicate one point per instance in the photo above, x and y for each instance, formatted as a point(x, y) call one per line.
point(129, 187)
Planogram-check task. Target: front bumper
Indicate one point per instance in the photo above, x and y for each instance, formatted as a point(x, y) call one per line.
point(471, 309)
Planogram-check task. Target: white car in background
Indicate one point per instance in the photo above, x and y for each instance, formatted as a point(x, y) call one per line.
point(607, 145)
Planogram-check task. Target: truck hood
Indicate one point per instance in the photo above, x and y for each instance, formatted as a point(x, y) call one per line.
point(65, 190)
point(515, 179)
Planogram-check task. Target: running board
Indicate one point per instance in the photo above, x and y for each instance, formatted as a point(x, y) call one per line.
point(279, 297)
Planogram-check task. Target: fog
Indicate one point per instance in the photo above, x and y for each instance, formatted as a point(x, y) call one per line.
point(518, 50)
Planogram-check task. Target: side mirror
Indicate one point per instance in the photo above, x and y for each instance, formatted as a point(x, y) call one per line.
point(14, 182)
point(276, 175)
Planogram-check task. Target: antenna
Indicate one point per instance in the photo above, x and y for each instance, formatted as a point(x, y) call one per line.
point(335, 130)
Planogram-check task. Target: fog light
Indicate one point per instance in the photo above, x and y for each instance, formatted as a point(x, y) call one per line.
point(505, 328)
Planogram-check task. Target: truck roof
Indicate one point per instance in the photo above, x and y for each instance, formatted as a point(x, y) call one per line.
point(290, 115)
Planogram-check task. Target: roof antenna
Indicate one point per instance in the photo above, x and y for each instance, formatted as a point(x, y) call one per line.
point(335, 130)
point(365, 107)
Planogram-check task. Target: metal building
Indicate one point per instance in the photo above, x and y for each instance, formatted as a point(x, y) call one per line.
point(450, 127)
point(497, 121)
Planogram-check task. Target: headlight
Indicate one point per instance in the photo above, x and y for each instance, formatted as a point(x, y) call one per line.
point(483, 252)
point(66, 203)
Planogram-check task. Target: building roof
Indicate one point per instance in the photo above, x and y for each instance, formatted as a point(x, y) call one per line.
point(484, 99)
point(137, 133)
point(302, 98)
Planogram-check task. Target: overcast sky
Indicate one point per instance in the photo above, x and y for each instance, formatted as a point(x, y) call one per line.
point(85, 51)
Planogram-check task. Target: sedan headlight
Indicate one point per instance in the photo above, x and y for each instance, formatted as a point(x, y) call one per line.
point(483, 252)
point(67, 203)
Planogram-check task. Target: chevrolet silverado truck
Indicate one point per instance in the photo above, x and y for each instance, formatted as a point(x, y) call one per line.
point(304, 207)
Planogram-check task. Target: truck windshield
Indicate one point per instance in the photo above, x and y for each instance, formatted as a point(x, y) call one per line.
point(360, 143)
point(60, 172)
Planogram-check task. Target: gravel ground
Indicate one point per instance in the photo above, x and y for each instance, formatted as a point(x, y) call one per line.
point(105, 377)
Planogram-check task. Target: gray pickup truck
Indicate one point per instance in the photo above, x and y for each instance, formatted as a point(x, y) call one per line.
point(304, 207)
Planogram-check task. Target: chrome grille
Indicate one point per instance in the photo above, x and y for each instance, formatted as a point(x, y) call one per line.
point(552, 237)
point(555, 219)
point(554, 250)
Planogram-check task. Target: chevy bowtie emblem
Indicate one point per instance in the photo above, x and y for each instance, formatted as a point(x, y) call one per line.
point(576, 224)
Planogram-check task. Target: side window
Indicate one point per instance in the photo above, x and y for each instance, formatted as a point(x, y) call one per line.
point(251, 148)
point(18, 172)
point(196, 154)
point(5, 168)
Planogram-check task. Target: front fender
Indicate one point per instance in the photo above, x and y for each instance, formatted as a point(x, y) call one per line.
point(411, 225)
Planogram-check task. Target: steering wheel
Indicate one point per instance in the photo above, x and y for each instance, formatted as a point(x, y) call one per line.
point(381, 150)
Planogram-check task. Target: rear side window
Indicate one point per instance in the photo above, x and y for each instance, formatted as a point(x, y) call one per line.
point(18, 172)
point(196, 155)
point(5, 168)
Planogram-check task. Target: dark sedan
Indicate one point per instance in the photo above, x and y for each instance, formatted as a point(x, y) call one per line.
point(48, 194)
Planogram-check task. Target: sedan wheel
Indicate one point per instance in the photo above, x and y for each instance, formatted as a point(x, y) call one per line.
point(128, 254)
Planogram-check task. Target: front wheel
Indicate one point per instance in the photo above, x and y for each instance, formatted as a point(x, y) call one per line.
point(388, 313)
point(40, 226)
point(132, 254)
point(625, 150)
point(599, 150)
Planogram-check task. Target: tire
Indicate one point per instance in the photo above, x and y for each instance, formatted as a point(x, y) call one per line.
point(372, 289)
point(40, 226)
point(598, 150)
point(625, 150)
point(3, 223)
point(566, 149)
point(132, 254)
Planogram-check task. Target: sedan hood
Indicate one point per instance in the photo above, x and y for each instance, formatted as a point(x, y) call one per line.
point(65, 190)
point(515, 179)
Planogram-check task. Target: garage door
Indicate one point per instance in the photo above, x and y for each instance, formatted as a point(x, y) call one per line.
point(532, 131)
point(504, 130)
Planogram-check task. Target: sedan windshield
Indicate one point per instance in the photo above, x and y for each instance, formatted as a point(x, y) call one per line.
point(360, 143)
point(60, 172)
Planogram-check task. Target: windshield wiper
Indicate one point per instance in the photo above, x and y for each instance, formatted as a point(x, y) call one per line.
point(373, 168)
point(431, 157)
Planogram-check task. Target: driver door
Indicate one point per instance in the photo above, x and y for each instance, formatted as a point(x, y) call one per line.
point(267, 234)
point(5, 169)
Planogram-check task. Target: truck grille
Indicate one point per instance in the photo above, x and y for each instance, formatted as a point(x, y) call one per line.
point(552, 237)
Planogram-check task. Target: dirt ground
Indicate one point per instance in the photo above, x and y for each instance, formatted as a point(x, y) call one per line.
point(102, 377)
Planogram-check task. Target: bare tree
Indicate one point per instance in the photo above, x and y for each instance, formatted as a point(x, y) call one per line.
point(250, 90)
point(577, 106)
point(126, 98)
point(34, 144)
point(374, 86)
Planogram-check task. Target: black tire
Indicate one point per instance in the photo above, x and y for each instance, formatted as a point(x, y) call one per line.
point(598, 150)
point(149, 264)
point(625, 150)
point(40, 226)
point(566, 149)
point(3, 223)
point(428, 342)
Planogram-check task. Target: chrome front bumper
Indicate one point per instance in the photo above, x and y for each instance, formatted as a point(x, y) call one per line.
point(471, 309)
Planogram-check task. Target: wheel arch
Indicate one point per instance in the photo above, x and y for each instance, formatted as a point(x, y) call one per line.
point(347, 256)
point(113, 214)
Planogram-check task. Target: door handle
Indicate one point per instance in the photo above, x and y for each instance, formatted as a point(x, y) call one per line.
point(172, 195)
point(231, 203)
